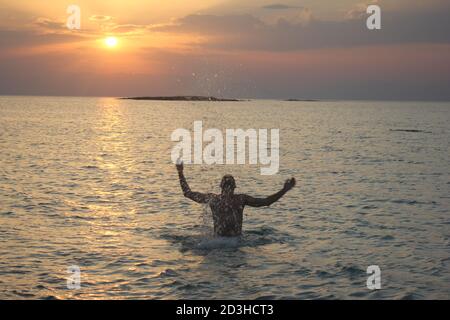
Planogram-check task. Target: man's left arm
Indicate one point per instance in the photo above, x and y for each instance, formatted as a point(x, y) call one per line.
point(265, 202)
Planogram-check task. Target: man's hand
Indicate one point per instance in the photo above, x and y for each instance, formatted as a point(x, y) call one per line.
point(289, 184)
point(179, 166)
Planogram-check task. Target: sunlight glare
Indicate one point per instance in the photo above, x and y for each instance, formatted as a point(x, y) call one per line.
point(111, 42)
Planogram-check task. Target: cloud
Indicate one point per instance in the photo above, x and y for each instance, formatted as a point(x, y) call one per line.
point(279, 6)
point(359, 10)
point(27, 38)
point(100, 18)
point(49, 24)
point(128, 28)
point(247, 32)
point(212, 24)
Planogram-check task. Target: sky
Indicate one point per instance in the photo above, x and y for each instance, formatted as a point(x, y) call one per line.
point(311, 49)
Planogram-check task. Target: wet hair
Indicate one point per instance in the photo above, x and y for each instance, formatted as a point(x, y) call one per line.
point(228, 182)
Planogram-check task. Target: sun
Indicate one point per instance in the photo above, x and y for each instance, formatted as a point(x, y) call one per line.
point(111, 42)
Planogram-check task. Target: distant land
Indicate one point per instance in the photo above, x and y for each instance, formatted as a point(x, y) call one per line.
point(201, 98)
point(303, 100)
point(181, 98)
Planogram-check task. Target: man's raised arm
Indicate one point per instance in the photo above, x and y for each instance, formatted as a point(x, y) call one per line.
point(262, 202)
point(195, 196)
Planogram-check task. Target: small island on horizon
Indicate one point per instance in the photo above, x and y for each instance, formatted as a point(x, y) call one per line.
point(202, 98)
point(181, 98)
point(301, 100)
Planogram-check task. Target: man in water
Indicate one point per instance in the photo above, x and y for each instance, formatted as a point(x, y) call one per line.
point(227, 208)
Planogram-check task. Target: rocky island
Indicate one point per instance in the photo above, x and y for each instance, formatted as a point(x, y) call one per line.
point(181, 98)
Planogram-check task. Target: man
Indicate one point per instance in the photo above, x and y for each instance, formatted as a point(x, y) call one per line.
point(227, 208)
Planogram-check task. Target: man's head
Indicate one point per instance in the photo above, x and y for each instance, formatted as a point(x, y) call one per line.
point(228, 183)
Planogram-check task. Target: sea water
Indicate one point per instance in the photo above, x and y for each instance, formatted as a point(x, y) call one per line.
point(89, 182)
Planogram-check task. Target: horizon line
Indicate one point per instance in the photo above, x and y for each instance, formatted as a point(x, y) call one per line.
point(246, 98)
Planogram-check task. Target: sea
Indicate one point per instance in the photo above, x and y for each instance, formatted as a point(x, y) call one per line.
point(91, 206)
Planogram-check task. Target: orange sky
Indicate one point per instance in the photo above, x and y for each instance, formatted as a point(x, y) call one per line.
point(304, 49)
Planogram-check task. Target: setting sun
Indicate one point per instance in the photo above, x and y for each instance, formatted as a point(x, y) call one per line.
point(111, 42)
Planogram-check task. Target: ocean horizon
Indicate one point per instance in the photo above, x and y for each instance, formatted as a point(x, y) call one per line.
point(300, 99)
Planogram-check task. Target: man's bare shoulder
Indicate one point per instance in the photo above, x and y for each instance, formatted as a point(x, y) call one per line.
point(213, 196)
point(241, 197)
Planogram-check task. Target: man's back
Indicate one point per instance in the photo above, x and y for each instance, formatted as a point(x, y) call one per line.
point(227, 211)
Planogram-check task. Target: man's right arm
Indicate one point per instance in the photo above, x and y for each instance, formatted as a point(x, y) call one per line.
point(194, 196)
